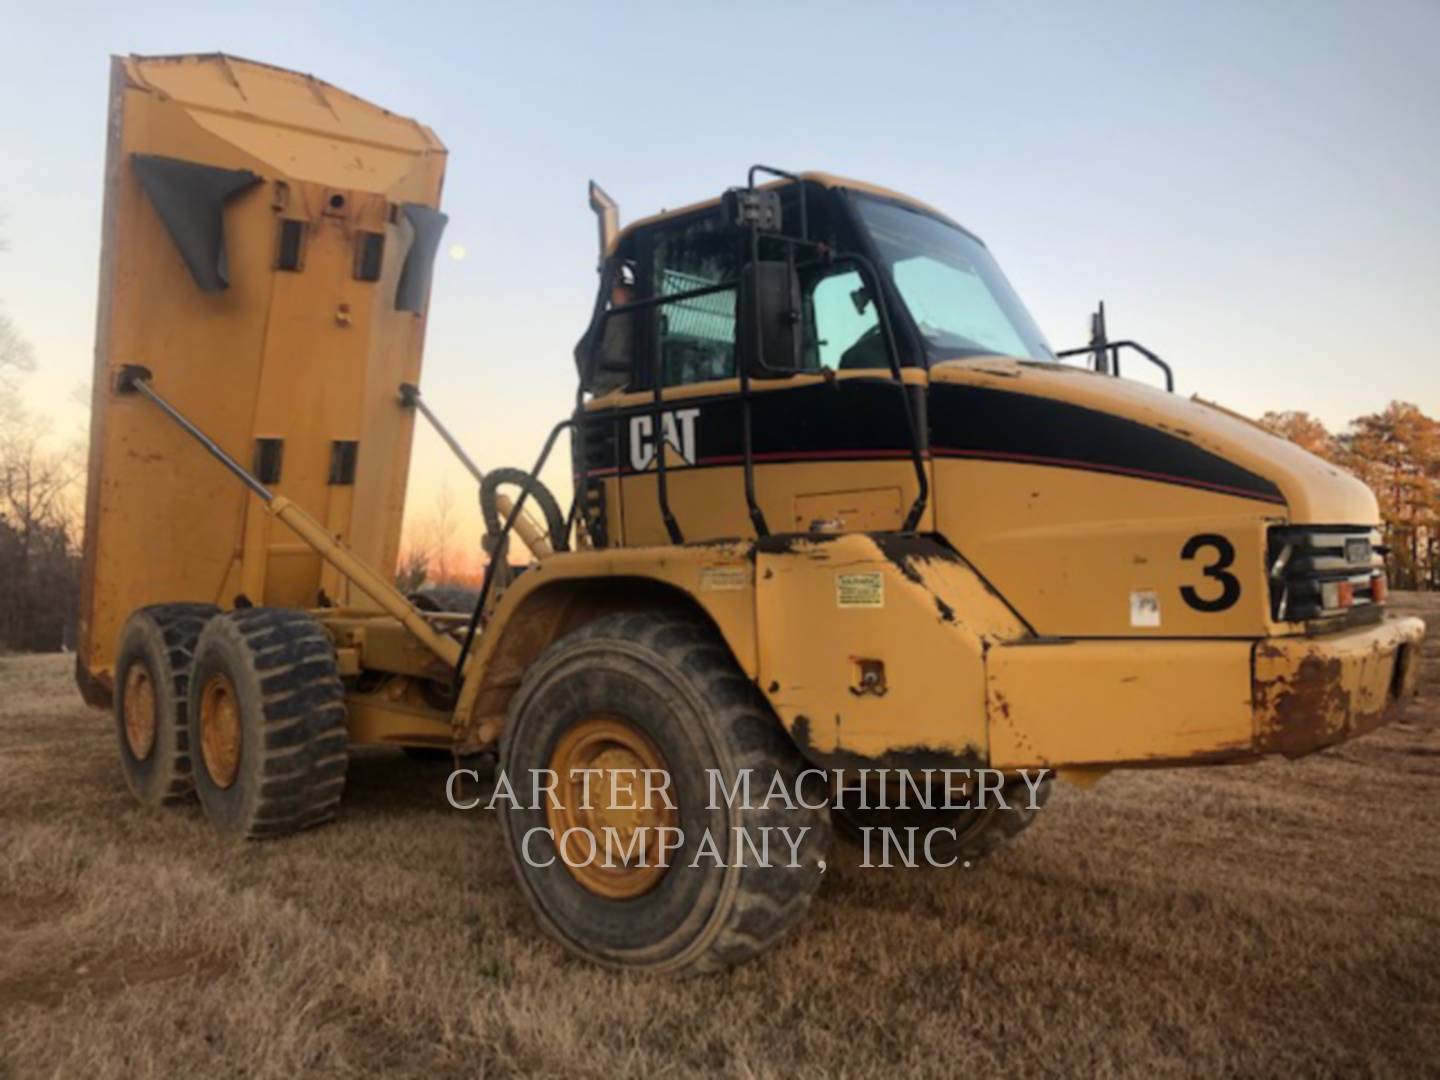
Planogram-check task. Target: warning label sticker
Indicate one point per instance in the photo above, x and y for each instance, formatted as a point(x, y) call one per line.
point(860, 590)
point(1145, 608)
point(724, 578)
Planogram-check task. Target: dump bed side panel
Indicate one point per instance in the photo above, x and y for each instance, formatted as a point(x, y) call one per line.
point(258, 224)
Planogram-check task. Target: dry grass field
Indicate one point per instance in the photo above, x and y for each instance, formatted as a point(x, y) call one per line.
point(1275, 918)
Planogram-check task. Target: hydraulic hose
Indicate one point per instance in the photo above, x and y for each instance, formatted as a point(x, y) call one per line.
point(490, 508)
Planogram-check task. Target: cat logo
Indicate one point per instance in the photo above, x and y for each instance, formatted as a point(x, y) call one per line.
point(679, 425)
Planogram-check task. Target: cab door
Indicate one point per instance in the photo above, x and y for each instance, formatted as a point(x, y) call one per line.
point(830, 444)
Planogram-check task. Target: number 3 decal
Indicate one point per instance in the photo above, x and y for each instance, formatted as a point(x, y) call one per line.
point(1224, 558)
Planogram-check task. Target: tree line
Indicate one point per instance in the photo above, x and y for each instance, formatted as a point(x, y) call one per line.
point(39, 538)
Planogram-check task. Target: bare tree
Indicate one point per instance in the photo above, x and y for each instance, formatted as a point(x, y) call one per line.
point(38, 568)
point(439, 534)
point(413, 570)
point(16, 354)
point(38, 572)
point(16, 358)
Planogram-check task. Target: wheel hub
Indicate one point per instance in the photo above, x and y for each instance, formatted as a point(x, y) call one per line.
point(140, 719)
point(220, 731)
point(602, 764)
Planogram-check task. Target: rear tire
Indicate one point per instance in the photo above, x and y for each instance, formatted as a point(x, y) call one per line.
point(152, 686)
point(267, 719)
point(661, 687)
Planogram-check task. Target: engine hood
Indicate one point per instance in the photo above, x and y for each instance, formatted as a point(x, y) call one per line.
point(1314, 490)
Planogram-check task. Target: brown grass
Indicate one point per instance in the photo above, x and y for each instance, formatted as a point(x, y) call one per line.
point(1282, 917)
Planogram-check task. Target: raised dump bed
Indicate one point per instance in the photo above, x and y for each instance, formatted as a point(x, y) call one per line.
point(267, 252)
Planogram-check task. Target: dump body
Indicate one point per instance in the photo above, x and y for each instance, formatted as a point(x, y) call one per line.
point(268, 242)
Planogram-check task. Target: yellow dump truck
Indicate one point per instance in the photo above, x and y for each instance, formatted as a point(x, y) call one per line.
point(842, 522)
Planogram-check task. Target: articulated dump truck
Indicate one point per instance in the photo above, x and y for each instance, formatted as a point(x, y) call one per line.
point(842, 524)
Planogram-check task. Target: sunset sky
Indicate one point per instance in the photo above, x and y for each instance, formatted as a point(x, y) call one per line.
point(1253, 189)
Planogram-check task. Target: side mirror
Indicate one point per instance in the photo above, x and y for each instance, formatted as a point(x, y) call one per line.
point(770, 319)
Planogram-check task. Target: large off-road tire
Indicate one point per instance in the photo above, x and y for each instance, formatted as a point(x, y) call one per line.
point(977, 832)
point(152, 686)
point(655, 690)
point(267, 722)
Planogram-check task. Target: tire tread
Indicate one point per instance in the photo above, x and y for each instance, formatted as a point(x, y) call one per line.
point(768, 901)
point(301, 730)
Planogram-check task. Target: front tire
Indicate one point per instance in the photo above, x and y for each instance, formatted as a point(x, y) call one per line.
point(641, 690)
point(267, 720)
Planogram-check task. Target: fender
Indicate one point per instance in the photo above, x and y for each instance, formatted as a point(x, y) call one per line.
point(869, 647)
point(551, 598)
point(872, 648)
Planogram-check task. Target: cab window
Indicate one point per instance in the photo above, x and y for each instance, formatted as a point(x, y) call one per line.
point(957, 299)
point(843, 329)
point(695, 336)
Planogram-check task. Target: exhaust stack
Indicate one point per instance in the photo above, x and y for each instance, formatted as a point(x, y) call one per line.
point(607, 216)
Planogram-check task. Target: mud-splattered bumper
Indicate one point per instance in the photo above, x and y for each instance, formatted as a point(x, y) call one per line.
point(1313, 692)
point(1115, 704)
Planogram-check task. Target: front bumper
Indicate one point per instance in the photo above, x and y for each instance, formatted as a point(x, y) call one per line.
point(1116, 703)
point(1313, 692)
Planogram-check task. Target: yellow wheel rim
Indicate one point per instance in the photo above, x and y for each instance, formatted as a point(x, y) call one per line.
point(612, 836)
point(140, 719)
point(220, 731)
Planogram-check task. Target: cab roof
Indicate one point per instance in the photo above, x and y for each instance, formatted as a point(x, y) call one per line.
point(823, 179)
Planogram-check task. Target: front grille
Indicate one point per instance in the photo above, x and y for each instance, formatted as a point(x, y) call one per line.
point(1325, 572)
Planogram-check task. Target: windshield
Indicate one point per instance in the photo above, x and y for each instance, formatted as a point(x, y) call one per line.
point(953, 287)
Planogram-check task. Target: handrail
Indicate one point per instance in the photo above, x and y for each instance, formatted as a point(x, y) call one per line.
point(1114, 348)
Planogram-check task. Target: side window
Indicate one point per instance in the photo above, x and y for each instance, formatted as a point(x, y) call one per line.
point(844, 329)
point(695, 336)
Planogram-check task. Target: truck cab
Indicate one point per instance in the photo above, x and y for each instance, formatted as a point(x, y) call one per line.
point(835, 372)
